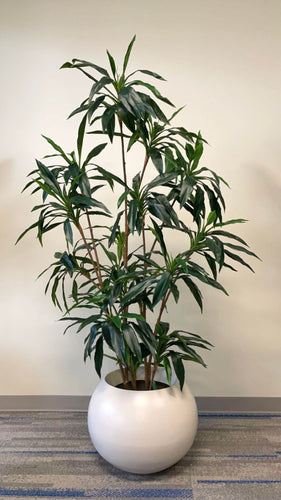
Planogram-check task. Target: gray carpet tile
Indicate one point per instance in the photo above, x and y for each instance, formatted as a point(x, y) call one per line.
point(50, 455)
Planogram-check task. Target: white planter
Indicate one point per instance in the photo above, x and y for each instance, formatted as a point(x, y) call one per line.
point(142, 431)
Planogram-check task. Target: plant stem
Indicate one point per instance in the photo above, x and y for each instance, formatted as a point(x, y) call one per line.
point(95, 248)
point(124, 379)
point(153, 375)
point(87, 275)
point(147, 371)
point(133, 378)
point(89, 252)
point(125, 254)
point(145, 263)
point(163, 305)
point(155, 241)
point(143, 168)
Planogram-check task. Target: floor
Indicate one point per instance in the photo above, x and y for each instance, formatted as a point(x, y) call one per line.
point(50, 455)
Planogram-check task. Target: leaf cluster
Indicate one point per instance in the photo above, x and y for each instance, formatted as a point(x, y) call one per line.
point(104, 270)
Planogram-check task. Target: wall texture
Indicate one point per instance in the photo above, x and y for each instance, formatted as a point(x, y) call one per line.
point(222, 59)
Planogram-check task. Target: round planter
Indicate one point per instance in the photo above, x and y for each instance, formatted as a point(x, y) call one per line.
point(142, 431)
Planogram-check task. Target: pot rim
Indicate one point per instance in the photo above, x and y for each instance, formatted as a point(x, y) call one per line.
point(114, 377)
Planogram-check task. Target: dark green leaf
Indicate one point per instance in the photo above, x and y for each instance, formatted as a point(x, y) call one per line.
point(112, 63)
point(216, 246)
point(26, 231)
point(78, 63)
point(126, 116)
point(151, 73)
point(108, 122)
point(153, 90)
point(229, 235)
point(57, 148)
point(84, 184)
point(175, 113)
point(152, 107)
point(175, 292)
point(84, 107)
point(241, 249)
point(212, 263)
point(99, 355)
point(74, 290)
point(67, 262)
point(206, 279)
point(146, 335)
point(168, 369)
point(133, 293)
point(238, 259)
point(159, 236)
point(199, 205)
point(157, 159)
point(117, 321)
point(232, 221)
point(68, 231)
point(80, 138)
point(161, 287)
point(83, 201)
point(186, 189)
point(117, 342)
point(170, 162)
point(47, 175)
point(133, 315)
point(132, 214)
point(197, 155)
point(105, 80)
point(132, 341)
point(94, 105)
point(114, 229)
point(160, 180)
point(211, 218)
point(132, 101)
point(194, 290)
point(127, 55)
point(134, 138)
point(94, 152)
point(178, 367)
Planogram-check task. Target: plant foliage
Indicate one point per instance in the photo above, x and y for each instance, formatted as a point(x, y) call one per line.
point(116, 274)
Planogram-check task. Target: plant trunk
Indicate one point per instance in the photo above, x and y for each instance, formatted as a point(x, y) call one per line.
point(147, 371)
point(125, 253)
point(124, 376)
point(153, 374)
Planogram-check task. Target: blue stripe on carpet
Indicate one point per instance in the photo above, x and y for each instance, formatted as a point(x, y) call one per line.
point(238, 481)
point(220, 455)
point(252, 456)
point(238, 415)
point(72, 452)
point(96, 493)
point(52, 452)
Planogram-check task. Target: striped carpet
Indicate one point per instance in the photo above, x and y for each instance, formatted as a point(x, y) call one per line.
point(50, 455)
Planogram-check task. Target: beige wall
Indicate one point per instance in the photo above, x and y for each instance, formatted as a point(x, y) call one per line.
point(222, 59)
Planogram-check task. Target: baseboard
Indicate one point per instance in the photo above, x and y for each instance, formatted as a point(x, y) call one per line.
point(238, 404)
point(49, 403)
point(80, 403)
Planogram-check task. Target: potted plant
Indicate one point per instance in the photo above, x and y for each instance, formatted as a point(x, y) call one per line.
point(117, 273)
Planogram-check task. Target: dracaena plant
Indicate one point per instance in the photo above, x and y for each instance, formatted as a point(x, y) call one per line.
point(117, 273)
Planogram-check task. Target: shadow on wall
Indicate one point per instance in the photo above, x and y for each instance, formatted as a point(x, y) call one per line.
point(264, 191)
point(264, 188)
point(9, 193)
point(6, 171)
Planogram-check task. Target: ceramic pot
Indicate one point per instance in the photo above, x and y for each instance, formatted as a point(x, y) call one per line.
point(142, 431)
